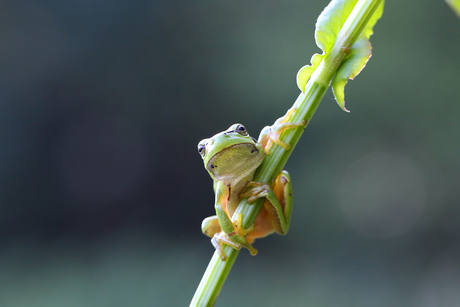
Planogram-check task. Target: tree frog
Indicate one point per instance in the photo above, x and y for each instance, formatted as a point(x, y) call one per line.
point(231, 157)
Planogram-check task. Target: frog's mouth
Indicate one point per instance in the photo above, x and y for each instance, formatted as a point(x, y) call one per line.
point(232, 157)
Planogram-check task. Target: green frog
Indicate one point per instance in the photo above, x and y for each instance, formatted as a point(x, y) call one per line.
point(231, 157)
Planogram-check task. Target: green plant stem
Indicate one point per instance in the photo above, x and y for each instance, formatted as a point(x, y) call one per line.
point(306, 105)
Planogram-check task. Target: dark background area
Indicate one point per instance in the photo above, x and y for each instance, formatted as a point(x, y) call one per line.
point(102, 191)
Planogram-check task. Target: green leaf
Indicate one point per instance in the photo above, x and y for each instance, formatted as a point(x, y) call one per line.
point(353, 63)
point(327, 27)
point(330, 21)
point(356, 59)
point(305, 72)
point(369, 28)
point(328, 34)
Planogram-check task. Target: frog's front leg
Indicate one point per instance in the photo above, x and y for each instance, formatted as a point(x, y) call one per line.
point(271, 134)
point(232, 233)
point(278, 200)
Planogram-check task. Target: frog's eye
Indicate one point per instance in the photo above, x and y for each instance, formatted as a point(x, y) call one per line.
point(241, 130)
point(201, 149)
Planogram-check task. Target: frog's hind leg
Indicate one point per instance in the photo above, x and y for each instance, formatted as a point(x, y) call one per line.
point(235, 239)
point(278, 200)
point(210, 226)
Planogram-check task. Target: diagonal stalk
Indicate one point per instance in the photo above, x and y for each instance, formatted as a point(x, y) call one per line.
point(306, 105)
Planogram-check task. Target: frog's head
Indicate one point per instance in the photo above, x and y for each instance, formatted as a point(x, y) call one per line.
point(230, 151)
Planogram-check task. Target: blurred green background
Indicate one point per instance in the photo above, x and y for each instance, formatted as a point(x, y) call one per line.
point(102, 194)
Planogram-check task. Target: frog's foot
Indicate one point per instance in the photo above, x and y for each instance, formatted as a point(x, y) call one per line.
point(235, 239)
point(221, 238)
point(278, 128)
point(257, 190)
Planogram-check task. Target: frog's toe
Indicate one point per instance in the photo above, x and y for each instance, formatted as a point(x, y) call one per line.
point(258, 190)
point(219, 240)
